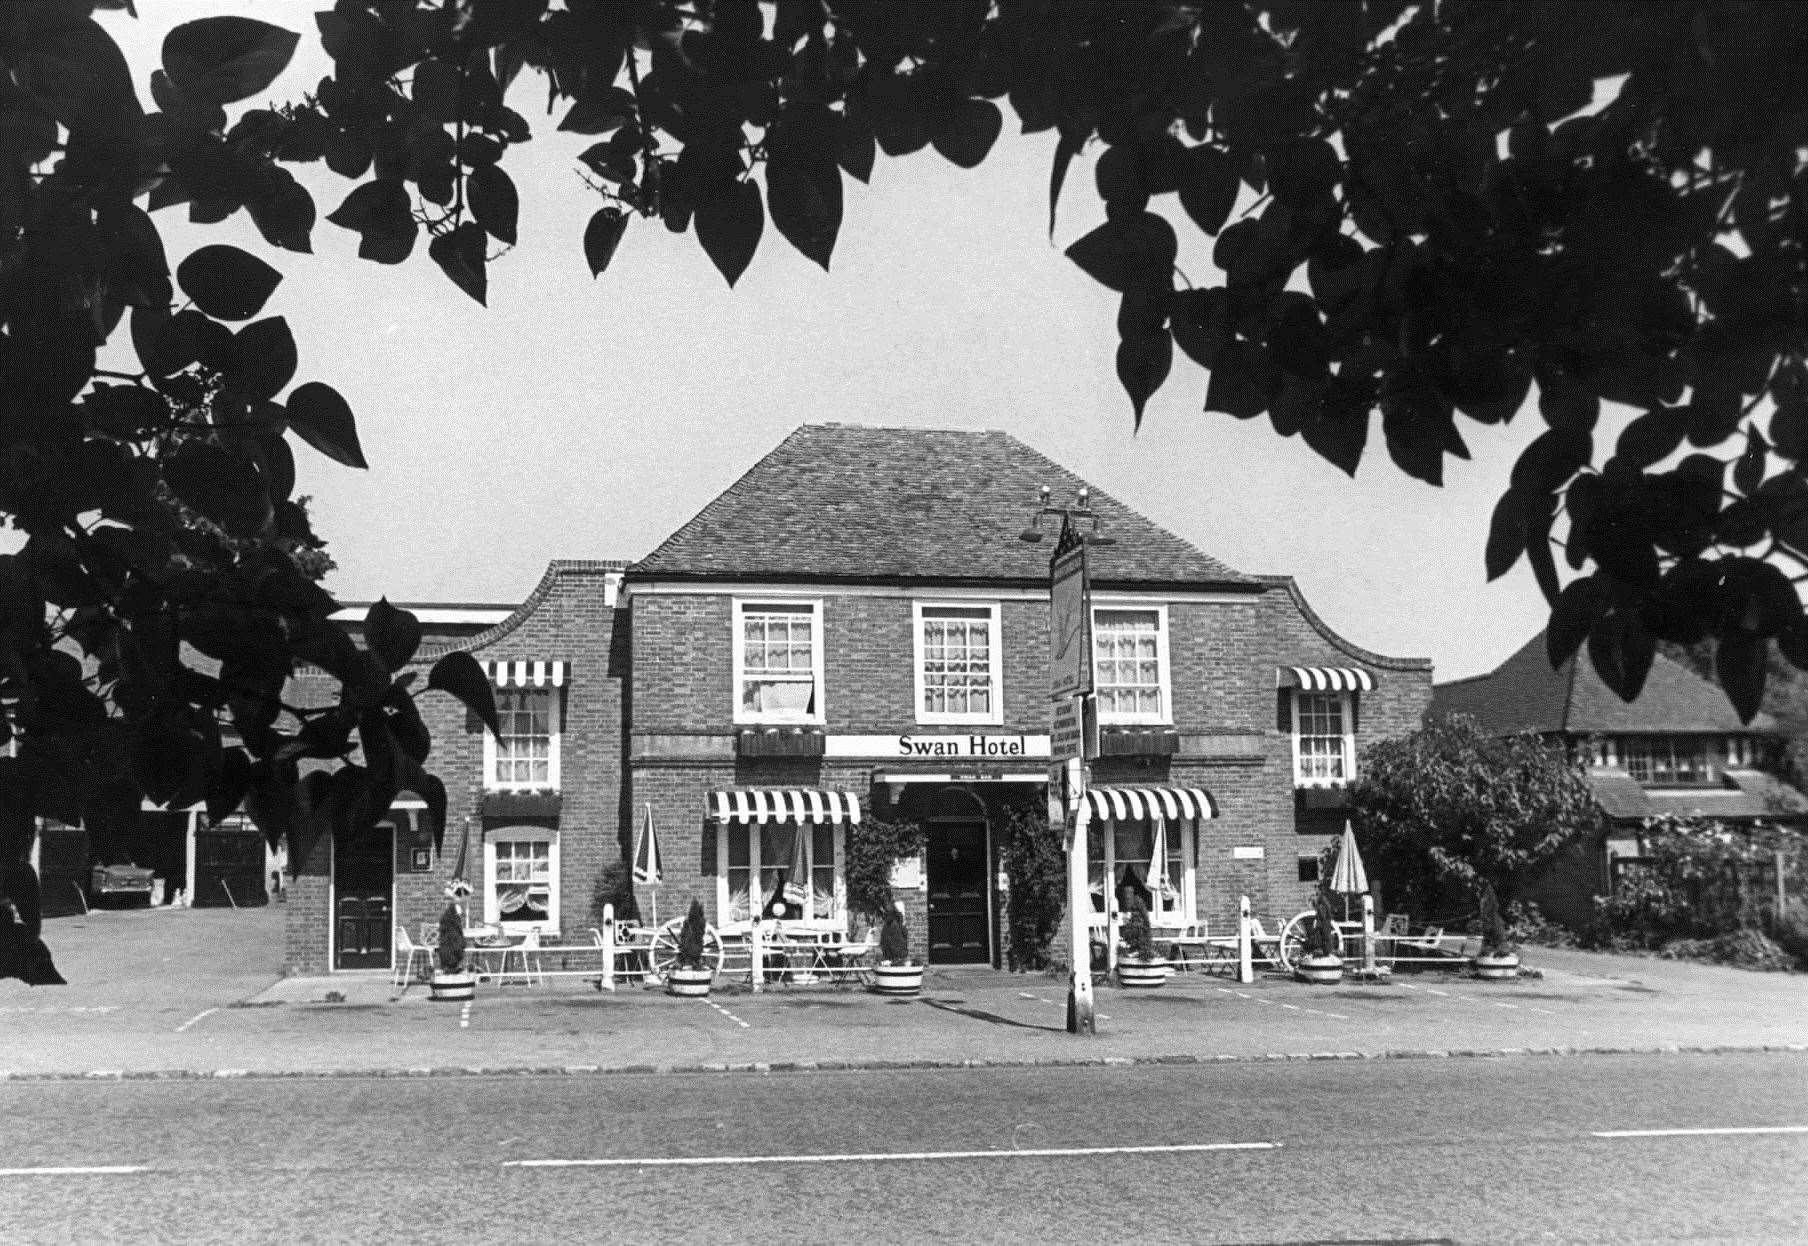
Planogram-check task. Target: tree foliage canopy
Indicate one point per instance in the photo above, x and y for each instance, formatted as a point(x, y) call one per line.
point(1418, 211)
point(1448, 805)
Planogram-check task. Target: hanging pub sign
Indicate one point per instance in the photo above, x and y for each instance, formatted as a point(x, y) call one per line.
point(1069, 622)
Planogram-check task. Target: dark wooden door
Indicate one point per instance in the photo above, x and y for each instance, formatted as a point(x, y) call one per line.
point(960, 930)
point(363, 876)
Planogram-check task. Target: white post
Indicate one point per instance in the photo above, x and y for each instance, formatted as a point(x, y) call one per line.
point(1246, 970)
point(608, 933)
point(755, 955)
point(1368, 935)
point(1081, 1018)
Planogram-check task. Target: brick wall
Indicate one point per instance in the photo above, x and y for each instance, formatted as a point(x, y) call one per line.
point(568, 618)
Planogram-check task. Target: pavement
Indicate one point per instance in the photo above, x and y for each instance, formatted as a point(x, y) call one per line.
point(177, 993)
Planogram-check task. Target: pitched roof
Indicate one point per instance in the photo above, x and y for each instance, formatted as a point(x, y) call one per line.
point(848, 502)
point(1525, 694)
point(1742, 795)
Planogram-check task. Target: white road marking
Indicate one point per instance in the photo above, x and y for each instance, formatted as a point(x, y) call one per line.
point(204, 1013)
point(1295, 1007)
point(877, 1157)
point(1700, 1133)
point(1546, 1011)
point(1431, 990)
point(464, 1015)
point(96, 1170)
point(1061, 1004)
point(1498, 1004)
point(713, 1004)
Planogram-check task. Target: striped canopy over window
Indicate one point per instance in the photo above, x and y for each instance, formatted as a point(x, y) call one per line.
point(506, 673)
point(796, 804)
point(1325, 678)
point(1118, 803)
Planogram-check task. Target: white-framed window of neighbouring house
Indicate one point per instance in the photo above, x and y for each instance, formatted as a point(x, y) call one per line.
point(959, 669)
point(1324, 738)
point(1121, 861)
point(521, 878)
point(1130, 664)
point(780, 871)
point(524, 756)
point(778, 661)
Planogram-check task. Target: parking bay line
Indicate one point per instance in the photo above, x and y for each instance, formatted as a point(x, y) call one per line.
point(880, 1157)
point(1700, 1133)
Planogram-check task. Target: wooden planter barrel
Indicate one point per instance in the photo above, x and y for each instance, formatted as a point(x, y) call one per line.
point(1320, 970)
point(898, 979)
point(1142, 975)
point(691, 983)
point(452, 986)
point(1495, 968)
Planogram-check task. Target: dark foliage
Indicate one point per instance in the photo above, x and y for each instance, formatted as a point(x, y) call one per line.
point(1447, 807)
point(614, 886)
point(1420, 213)
point(1139, 940)
point(1493, 926)
point(451, 949)
point(1035, 862)
point(873, 848)
point(690, 937)
point(894, 939)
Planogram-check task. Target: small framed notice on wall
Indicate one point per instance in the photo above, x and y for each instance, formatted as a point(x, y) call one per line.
point(907, 874)
point(420, 860)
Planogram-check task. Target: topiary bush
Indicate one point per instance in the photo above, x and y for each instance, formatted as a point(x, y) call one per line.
point(894, 939)
point(1139, 940)
point(614, 886)
point(690, 937)
point(451, 949)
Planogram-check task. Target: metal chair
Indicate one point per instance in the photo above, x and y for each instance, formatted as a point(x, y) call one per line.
point(405, 951)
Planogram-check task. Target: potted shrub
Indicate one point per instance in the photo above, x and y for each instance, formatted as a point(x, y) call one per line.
point(896, 974)
point(1497, 960)
point(452, 976)
point(688, 974)
point(1138, 967)
point(1319, 962)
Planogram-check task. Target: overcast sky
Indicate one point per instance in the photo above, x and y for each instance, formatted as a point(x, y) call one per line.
point(580, 418)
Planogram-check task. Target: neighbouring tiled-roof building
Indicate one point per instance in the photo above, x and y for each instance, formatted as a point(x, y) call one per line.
point(854, 630)
point(1678, 749)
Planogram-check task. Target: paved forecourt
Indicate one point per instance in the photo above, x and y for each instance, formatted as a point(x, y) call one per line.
point(197, 993)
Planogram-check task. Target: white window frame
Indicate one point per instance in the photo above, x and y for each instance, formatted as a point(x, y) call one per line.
point(555, 724)
point(492, 915)
point(1346, 702)
point(778, 605)
point(835, 920)
point(1165, 716)
point(921, 611)
point(1186, 914)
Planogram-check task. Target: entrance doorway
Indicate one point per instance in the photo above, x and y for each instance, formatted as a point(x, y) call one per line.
point(363, 877)
point(960, 921)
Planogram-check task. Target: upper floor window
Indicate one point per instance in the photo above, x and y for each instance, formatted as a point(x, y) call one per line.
point(1668, 761)
point(1324, 751)
point(1130, 664)
point(958, 666)
point(778, 661)
point(526, 753)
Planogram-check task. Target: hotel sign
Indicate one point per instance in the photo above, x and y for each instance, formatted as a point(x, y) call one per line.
point(923, 746)
point(1069, 626)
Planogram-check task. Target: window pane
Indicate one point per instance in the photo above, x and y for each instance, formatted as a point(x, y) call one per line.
point(1126, 661)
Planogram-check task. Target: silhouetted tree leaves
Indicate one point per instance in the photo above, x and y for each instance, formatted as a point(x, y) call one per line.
point(320, 417)
point(382, 216)
point(729, 225)
point(392, 634)
point(462, 255)
point(494, 202)
point(264, 359)
point(460, 675)
point(601, 236)
point(226, 282)
point(225, 59)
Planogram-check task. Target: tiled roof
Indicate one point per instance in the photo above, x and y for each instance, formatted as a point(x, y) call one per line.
point(1525, 694)
point(1619, 794)
point(847, 502)
point(1743, 795)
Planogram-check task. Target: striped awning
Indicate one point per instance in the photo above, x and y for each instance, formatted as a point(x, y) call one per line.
point(507, 674)
point(789, 804)
point(1118, 803)
point(1325, 678)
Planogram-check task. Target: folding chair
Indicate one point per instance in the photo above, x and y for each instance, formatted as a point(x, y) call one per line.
point(405, 951)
